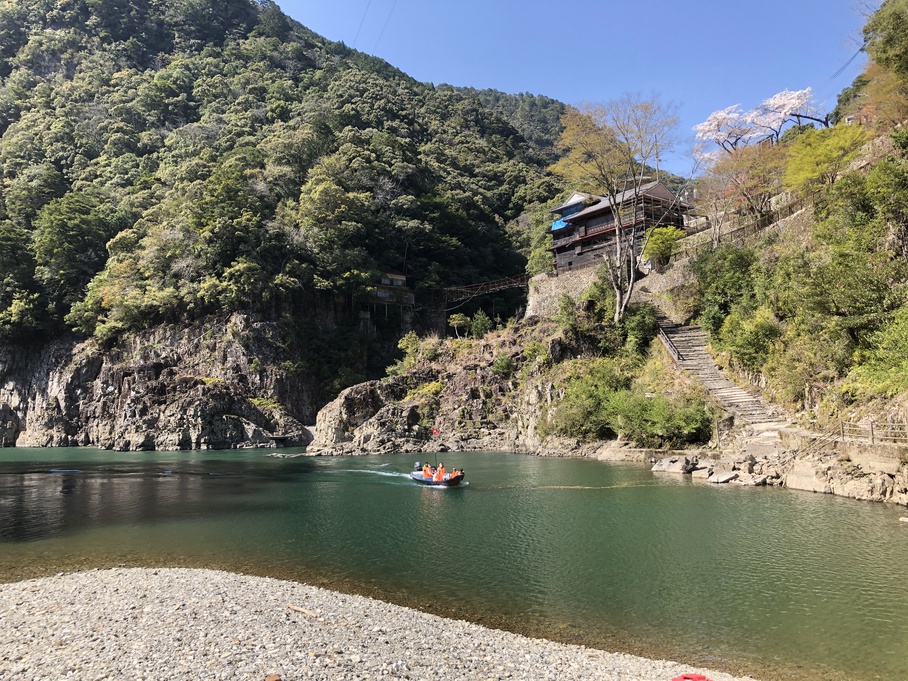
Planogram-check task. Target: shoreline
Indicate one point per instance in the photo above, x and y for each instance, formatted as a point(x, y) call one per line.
point(199, 623)
point(860, 473)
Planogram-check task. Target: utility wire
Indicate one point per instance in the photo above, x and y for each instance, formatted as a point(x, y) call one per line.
point(393, 5)
point(847, 63)
point(361, 24)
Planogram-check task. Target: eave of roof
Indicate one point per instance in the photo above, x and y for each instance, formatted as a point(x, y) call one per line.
point(603, 204)
point(575, 198)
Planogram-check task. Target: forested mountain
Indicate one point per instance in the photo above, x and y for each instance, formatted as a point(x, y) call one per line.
point(536, 117)
point(162, 160)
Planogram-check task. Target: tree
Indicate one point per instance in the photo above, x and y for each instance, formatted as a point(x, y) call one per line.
point(732, 129)
point(818, 157)
point(69, 244)
point(729, 128)
point(21, 310)
point(885, 95)
point(481, 324)
point(750, 176)
point(608, 148)
point(716, 200)
point(459, 320)
point(661, 243)
point(886, 37)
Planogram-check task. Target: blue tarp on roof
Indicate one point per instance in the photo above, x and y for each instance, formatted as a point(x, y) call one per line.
point(566, 212)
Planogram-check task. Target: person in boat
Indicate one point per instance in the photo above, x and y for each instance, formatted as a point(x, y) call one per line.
point(440, 473)
point(427, 471)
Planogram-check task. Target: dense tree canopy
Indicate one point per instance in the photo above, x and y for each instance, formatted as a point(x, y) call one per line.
point(164, 159)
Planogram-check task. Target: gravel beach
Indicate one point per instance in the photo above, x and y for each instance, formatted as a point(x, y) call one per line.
point(206, 624)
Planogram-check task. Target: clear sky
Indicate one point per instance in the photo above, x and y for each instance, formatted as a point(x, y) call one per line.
point(702, 55)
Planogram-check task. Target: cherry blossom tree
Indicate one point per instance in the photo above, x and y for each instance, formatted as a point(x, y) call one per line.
point(748, 173)
point(729, 128)
point(788, 106)
point(733, 128)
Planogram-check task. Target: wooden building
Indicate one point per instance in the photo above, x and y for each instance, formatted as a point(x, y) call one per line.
point(587, 226)
point(389, 297)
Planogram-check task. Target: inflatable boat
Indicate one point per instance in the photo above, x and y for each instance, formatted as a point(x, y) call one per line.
point(449, 481)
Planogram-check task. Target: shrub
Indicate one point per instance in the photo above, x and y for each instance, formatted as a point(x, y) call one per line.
point(584, 412)
point(410, 346)
point(640, 326)
point(534, 351)
point(601, 404)
point(661, 243)
point(749, 338)
point(658, 420)
point(503, 366)
point(431, 389)
point(266, 403)
point(481, 324)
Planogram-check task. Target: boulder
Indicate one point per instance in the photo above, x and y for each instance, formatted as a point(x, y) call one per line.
point(723, 477)
point(724, 465)
point(807, 475)
point(751, 480)
point(674, 464)
point(745, 464)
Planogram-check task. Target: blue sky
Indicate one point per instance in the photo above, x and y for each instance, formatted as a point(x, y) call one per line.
point(701, 55)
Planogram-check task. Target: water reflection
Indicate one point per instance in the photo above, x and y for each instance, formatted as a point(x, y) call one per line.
point(794, 585)
point(40, 503)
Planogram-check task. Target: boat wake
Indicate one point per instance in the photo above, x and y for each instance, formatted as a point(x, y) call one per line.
point(385, 474)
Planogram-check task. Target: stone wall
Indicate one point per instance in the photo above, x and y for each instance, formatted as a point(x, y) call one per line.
point(546, 290)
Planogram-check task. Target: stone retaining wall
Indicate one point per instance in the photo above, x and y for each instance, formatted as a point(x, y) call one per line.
point(546, 290)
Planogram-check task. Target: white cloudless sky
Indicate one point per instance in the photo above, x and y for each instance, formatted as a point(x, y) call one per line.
point(701, 55)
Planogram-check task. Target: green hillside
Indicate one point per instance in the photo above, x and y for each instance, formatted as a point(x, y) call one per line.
point(166, 160)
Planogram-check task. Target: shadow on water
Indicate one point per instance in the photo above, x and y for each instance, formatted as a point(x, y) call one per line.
point(40, 502)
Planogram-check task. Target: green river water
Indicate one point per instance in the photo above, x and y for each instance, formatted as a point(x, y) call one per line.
point(770, 582)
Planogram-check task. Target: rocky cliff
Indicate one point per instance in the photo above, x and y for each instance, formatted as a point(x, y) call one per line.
point(453, 394)
point(216, 385)
point(492, 394)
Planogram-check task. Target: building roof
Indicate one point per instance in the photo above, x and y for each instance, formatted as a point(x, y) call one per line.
point(573, 200)
point(655, 190)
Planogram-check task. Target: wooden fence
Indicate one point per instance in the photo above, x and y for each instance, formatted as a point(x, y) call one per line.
point(738, 234)
point(874, 433)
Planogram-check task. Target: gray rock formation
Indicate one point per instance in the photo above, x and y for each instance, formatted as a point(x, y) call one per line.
point(675, 464)
point(202, 387)
point(367, 418)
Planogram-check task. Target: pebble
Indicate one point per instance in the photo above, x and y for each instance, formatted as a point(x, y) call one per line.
point(206, 624)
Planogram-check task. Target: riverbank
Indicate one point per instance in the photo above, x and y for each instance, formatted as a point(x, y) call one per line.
point(204, 624)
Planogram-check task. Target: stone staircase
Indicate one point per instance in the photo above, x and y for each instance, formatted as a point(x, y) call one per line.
point(687, 344)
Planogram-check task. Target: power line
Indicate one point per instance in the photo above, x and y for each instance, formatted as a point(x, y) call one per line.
point(393, 5)
point(361, 24)
point(847, 64)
